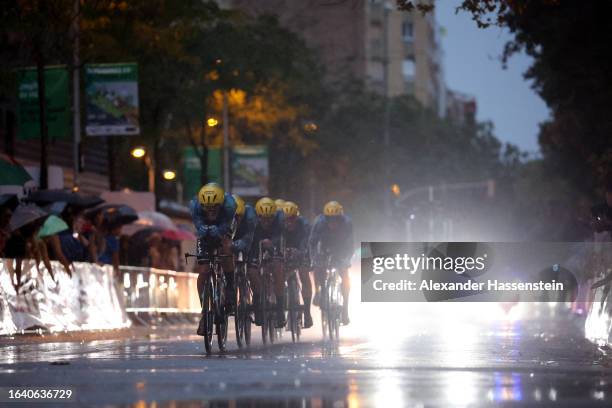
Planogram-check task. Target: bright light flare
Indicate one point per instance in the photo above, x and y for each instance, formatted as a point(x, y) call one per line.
point(169, 174)
point(138, 152)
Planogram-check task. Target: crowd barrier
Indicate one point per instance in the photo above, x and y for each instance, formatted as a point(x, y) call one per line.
point(92, 299)
point(598, 324)
point(151, 293)
point(89, 300)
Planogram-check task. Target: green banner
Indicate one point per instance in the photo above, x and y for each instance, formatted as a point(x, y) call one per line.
point(112, 99)
point(191, 170)
point(57, 103)
point(250, 170)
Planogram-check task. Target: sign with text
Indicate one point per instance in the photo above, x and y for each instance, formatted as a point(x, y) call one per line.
point(112, 99)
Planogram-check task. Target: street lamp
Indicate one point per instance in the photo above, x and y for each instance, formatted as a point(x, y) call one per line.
point(212, 122)
point(138, 152)
point(169, 175)
point(395, 189)
point(310, 127)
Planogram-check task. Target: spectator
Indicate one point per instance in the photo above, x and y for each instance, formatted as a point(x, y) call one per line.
point(73, 245)
point(23, 242)
point(109, 254)
point(8, 202)
point(169, 255)
point(602, 215)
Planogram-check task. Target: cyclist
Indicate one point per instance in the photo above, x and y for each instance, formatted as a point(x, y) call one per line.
point(245, 221)
point(332, 233)
point(268, 233)
point(296, 232)
point(279, 203)
point(212, 212)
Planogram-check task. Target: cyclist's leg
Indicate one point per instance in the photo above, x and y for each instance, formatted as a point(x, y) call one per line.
point(228, 269)
point(319, 278)
point(203, 272)
point(279, 291)
point(346, 288)
point(306, 294)
point(254, 278)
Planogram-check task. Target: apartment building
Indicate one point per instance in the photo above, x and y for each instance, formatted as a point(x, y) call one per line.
point(365, 39)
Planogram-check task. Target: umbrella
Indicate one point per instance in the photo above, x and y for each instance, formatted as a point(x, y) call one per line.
point(178, 235)
point(9, 200)
point(52, 226)
point(43, 197)
point(12, 174)
point(151, 219)
point(26, 214)
point(56, 208)
point(114, 214)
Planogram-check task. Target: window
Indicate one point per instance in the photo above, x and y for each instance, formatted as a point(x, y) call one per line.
point(408, 69)
point(407, 31)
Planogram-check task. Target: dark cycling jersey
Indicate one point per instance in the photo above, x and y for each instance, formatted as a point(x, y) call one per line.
point(273, 232)
point(219, 227)
point(337, 242)
point(298, 237)
point(243, 238)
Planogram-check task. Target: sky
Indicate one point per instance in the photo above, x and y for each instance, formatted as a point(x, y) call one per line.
point(472, 65)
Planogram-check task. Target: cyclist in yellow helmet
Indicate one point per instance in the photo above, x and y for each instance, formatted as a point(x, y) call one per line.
point(268, 234)
point(332, 234)
point(280, 203)
point(246, 220)
point(212, 212)
point(296, 231)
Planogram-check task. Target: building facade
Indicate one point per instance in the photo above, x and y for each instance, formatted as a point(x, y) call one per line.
point(366, 39)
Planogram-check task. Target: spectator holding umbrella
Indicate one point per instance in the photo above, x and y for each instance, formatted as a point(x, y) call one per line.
point(8, 203)
point(52, 226)
point(73, 244)
point(23, 243)
point(108, 222)
point(62, 245)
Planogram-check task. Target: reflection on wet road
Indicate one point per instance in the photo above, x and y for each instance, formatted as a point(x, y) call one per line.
point(391, 355)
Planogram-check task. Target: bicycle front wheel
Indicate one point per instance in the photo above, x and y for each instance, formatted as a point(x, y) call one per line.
point(209, 316)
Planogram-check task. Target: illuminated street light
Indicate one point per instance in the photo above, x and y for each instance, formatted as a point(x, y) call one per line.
point(212, 122)
point(169, 174)
point(311, 127)
point(138, 152)
point(395, 189)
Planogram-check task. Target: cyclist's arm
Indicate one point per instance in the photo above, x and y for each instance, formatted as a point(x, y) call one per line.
point(198, 218)
point(346, 249)
point(313, 239)
point(244, 243)
point(302, 246)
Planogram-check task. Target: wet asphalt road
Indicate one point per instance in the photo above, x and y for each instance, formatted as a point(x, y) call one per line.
point(390, 355)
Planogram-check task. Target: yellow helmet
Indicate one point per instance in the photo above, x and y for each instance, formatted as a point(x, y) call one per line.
point(291, 209)
point(265, 207)
point(239, 204)
point(280, 203)
point(211, 194)
point(332, 209)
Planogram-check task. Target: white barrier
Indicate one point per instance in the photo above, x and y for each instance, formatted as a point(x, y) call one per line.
point(86, 301)
point(150, 290)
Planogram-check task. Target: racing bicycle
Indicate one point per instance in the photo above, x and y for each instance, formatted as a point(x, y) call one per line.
point(331, 301)
point(244, 303)
point(212, 298)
